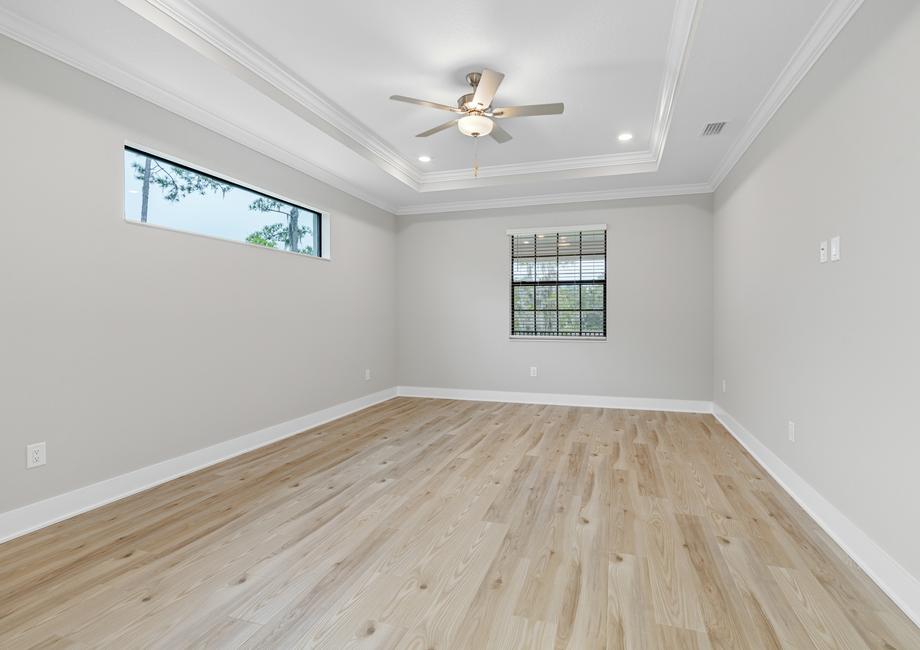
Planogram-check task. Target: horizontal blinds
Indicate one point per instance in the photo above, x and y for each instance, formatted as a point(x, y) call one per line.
point(559, 284)
point(559, 244)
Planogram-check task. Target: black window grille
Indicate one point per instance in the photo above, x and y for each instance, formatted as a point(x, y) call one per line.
point(559, 284)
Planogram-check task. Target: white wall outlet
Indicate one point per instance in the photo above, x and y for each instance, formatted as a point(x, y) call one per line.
point(724, 386)
point(791, 429)
point(533, 371)
point(835, 249)
point(822, 252)
point(35, 455)
point(367, 374)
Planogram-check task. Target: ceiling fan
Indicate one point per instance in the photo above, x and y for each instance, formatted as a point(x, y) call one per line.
point(477, 114)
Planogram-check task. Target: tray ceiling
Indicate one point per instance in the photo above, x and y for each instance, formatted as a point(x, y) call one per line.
point(308, 84)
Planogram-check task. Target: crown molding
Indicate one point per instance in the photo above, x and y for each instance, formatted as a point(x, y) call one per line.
point(683, 27)
point(185, 21)
point(57, 47)
point(43, 40)
point(556, 199)
point(833, 19)
point(465, 180)
point(581, 167)
point(188, 23)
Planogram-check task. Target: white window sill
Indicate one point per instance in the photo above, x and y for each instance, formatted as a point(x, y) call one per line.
point(521, 337)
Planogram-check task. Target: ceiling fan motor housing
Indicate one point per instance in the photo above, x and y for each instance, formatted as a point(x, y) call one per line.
point(465, 103)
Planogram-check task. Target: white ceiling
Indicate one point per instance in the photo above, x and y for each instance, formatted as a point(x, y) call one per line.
point(609, 76)
point(308, 83)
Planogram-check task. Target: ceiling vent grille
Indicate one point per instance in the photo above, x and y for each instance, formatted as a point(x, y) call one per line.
point(714, 128)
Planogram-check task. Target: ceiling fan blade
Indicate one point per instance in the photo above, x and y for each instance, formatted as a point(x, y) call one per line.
point(526, 111)
point(437, 129)
point(486, 88)
point(499, 134)
point(422, 102)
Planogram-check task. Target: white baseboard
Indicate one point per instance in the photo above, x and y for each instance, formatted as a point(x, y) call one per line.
point(559, 399)
point(884, 570)
point(63, 506)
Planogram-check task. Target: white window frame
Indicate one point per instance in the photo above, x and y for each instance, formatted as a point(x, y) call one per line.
point(324, 215)
point(510, 233)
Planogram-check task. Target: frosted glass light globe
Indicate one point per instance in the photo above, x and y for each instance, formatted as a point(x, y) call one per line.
point(475, 125)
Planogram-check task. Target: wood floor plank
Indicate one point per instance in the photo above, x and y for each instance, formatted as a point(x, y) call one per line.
point(727, 624)
point(777, 623)
point(824, 622)
point(674, 597)
point(630, 620)
point(421, 523)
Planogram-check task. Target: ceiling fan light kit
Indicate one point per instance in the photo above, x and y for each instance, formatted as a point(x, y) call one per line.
point(475, 125)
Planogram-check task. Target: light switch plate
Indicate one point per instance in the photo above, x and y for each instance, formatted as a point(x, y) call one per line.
point(822, 252)
point(835, 249)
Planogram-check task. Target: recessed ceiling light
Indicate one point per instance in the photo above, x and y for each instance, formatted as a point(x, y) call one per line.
point(625, 137)
point(424, 158)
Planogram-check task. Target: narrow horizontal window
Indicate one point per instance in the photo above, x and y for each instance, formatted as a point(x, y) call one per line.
point(172, 195)
point(559, 283)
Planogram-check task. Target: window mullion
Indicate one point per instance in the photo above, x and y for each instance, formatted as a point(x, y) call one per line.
point(556, 290)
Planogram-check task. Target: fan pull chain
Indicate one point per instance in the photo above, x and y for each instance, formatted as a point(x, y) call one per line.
point(476, 157)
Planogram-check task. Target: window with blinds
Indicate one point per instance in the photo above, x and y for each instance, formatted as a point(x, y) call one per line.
point(559, 283)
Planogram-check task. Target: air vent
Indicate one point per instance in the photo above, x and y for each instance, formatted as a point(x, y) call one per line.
point(714, 128)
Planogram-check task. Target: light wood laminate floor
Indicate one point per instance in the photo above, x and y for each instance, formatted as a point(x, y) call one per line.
point(445, 524)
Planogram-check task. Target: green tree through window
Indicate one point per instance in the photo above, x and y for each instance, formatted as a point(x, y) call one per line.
point(289, 234)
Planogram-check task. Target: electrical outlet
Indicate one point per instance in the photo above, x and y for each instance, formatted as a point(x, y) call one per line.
point(724, 386)
point(791, 428)
point(367, 374)
point(35, 455)
point(533, 371)
point(822, 252)
point(835, 249)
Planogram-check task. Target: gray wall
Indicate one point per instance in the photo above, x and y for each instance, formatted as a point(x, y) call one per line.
point(453, 297)
point(123, 345)
point(834, 347)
